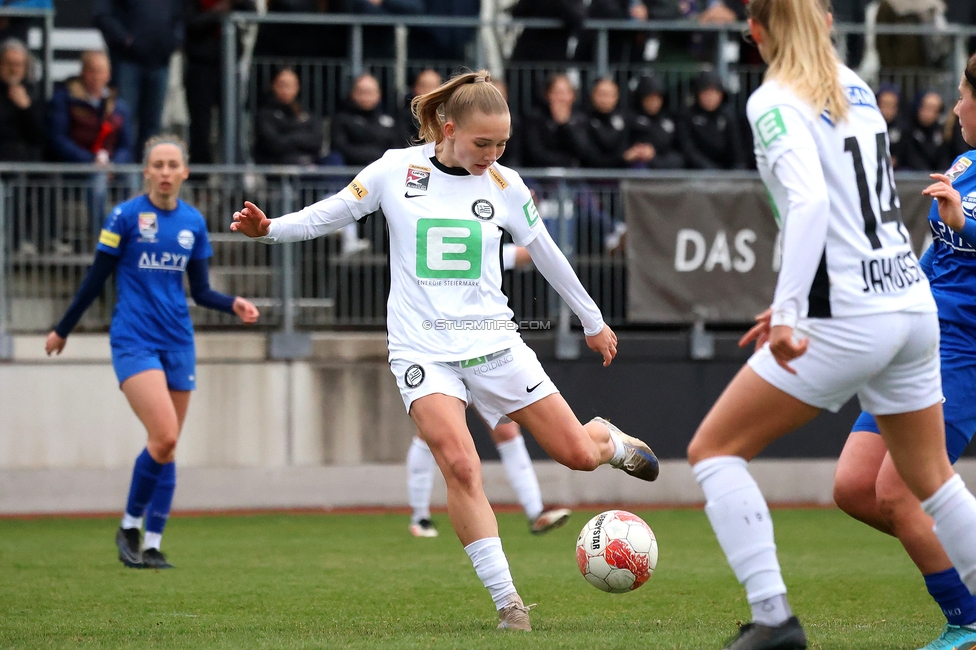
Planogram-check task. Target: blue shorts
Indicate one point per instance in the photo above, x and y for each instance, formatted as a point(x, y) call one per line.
point(179, 365)
point(957, 350)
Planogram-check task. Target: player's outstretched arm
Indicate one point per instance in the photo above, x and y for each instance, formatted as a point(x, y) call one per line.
point(251, 221)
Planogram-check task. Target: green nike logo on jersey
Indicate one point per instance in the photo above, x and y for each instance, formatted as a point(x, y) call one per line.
point(448, 248)
point(770, 126)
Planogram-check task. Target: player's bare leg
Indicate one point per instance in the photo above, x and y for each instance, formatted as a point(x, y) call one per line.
point(584, 447)
point(856, 477)
point(440, 419)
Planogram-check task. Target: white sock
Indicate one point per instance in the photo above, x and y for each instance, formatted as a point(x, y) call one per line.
point(518, 467)
point(772, 611)
point(953, 508)
point(618, 449)
point(420, 479)
point(740, 518)
point(491, 565)
point(152, 540)
point(128, 521)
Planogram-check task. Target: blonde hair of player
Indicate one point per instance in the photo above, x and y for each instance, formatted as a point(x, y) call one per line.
point(454, 100)
point(799, 52)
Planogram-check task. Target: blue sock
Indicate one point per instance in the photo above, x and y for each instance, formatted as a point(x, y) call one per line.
point(162, 499)
point(958, 605)
point(144, 477)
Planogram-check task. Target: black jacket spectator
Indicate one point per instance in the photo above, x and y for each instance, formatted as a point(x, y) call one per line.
point(708, 131)
point(547, 44)
point(607, 132)
point(202, 21)
point(21, 126)
point(547, 143)
point(142, 32)
point(21, 129)
point(363, 136)
point(889, 104)
point(654, 125)
point(286, 135)
point(924, 141)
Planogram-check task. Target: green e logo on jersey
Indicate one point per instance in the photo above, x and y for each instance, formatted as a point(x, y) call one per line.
point(770, 126)
point(448, 248)
point(531, 214)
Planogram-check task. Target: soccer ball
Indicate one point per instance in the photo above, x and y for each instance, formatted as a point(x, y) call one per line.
point(616, 551)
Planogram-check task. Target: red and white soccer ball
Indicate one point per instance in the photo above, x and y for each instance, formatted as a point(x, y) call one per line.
point(616, 551)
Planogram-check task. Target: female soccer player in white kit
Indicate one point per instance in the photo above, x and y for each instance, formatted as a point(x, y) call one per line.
point(450, 330)
point(852, 314)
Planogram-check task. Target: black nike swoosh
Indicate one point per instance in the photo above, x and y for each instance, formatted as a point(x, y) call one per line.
point(529, 390)
point(412, 196)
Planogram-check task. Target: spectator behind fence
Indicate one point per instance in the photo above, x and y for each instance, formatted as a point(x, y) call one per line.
point(607, 131)
point(708, 132)
point(141, 37)
point(285, 134)
point(549, 45)
point(88, 122)
point(554, 135)
point(362, 132)
point(653, 125)
point(379, 42)
point(201, 76)
point(889, 104)
point(426, 80)
point(925, 145)
point(21, 129)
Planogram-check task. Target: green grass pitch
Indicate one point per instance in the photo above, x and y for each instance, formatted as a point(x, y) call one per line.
point(360, 581)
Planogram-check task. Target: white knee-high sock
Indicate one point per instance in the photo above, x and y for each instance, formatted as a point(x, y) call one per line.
point(420, 479)
point(953, 508)
point(491, 565)
point(518, 467)
point(740, 518)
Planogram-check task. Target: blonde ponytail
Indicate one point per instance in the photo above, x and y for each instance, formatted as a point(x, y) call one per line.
point(800, 53)
point(455, 100)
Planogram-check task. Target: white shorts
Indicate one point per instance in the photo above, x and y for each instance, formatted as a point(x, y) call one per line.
point(890, 361)
point(496, 384)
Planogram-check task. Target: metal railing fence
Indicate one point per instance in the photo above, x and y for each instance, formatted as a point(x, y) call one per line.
point(50, 216)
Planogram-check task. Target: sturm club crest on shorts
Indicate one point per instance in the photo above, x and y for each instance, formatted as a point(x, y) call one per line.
point(148, 225)
point(418, 177)
point(414, 376)
point(483, 209)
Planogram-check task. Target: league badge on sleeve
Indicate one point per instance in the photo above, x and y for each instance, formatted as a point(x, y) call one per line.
point(418, 177)
point(958, 169)
point(148, 225)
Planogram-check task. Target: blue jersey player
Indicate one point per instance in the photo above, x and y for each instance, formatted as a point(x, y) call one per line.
point(867, 486)
point(150, 242)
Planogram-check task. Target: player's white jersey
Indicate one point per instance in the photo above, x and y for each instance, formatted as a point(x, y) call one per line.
point(866, 262)
point(446, 302)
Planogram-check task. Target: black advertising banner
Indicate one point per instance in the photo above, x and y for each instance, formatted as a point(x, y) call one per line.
point(708, 249)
